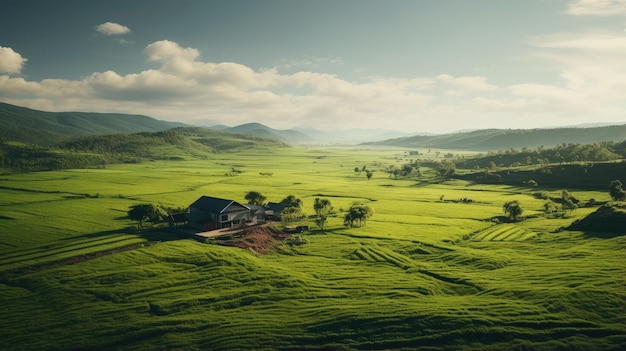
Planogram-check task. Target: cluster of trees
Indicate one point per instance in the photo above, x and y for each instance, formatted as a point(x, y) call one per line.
point(356, 215)
point(31, 158)
point(292, 212)
point(617, 191)
point(368, 173)
point(130, 144)
point(490, 163)
point(568, 202)
point(221, 141)
point(146, 212)
point(89, 151)
point(597, 152)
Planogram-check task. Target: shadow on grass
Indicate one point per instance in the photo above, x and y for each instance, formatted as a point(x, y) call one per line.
point(95, 235)
point(165, 234)
point(604, 235)
point(151, 234)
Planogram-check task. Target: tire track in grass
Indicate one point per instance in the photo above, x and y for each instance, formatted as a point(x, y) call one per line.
point(502, 232)
point(378, 254)
point(71, 260)
point(43, 252)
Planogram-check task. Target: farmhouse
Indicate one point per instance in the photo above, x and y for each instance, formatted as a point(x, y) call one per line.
point(208, 213)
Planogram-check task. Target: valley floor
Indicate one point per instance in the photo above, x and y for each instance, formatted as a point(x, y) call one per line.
point(425, 272)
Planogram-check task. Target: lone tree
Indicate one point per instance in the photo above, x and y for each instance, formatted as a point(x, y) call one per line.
point(323, 209)
point(357, 215)
point(616, 191)
point(255, 198)
point(513, 210)
point(143, 212)
point(292, 201)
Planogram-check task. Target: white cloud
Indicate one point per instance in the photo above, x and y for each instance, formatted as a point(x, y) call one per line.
point(165, 50)
point(602, 8)
point(11, 62)
point(600, 42)
point(110, 28)
point(591, 87)
point(467, 83)
point(185, 88)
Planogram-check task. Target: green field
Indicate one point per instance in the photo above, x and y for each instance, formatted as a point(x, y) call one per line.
point(425, 272)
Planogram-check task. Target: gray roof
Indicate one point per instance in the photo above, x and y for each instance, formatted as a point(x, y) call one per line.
point(214, 204)
point(277, 206)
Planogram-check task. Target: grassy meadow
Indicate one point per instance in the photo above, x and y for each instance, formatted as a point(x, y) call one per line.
point(426, 271)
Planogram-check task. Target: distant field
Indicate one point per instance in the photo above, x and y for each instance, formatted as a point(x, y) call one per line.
point(426, 272)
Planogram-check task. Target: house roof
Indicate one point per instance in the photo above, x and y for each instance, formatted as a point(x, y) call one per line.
point(277, 207)
point(214, 204)
point(255, 208)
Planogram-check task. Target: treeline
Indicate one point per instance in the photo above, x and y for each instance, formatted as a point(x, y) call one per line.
point(494, 139)
point(90, 151)
point(221, 141)
point(136, 144)
point(30, 158)
point(564, 153)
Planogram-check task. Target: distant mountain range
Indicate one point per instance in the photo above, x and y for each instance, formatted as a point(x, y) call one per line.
point(50, 128)
point(311, 136)
point(502, 139)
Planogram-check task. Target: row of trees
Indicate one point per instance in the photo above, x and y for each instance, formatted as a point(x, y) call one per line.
point(568, 201)
point(356, 215)
point(596, 152)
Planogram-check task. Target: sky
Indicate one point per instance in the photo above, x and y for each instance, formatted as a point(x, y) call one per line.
point(418, 66)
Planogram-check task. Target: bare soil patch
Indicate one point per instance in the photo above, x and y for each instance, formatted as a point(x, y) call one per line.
point(261, 239)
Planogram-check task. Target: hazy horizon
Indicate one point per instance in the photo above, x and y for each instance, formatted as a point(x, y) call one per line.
point(412, 66)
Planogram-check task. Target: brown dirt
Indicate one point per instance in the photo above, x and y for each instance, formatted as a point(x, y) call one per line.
point(261, 239)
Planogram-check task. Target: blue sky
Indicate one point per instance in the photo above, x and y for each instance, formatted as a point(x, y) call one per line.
point(409, 65)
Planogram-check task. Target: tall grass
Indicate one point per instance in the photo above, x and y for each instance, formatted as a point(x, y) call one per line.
point(424, 272)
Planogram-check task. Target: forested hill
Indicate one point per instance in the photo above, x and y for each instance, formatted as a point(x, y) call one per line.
point(87, 151)
point(502, 139)
point(48, 128)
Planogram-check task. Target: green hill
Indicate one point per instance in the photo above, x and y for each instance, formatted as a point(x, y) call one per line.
point(87, 151)
point(502, 139)
point(610, 218)
point(261, 130)
point(48, 128)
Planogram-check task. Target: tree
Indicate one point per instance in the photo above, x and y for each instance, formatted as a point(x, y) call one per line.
point(513, 209)
point(291, 215)
point(357, 215)
point(369, 174)
point(568, 201)
point(323, 209)
point(292, 201)
point(616, 191)
point(446, 168)
point(142, 212)
point(255, 198)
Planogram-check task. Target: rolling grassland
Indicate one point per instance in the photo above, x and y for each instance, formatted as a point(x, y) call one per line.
point(425, 272)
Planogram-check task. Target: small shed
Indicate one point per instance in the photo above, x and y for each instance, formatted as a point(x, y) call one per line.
point(274, 209)
point(177, 219)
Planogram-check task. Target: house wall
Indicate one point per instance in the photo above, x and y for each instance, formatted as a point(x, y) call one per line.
point(237, 217)
point(197, 215)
